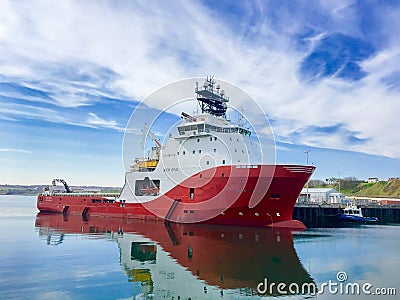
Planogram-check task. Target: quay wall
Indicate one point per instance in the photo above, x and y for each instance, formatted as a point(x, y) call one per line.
point(314, 215)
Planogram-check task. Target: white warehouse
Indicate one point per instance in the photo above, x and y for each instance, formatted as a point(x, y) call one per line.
point(321, 195)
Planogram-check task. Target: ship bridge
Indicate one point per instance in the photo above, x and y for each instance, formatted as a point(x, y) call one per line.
point(205, 124)
point(203, 128)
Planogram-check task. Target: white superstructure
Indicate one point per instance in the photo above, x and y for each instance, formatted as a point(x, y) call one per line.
point(201, 142)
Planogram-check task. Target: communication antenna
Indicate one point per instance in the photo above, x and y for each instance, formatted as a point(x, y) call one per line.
point(240, 118)
point(211, 98)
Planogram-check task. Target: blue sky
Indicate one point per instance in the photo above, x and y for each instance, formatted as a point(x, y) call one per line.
point(326, 73)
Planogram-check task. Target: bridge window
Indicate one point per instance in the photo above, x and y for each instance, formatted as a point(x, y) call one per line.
point(191, 193)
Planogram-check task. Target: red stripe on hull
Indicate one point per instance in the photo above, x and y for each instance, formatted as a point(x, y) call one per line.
point(262, 196)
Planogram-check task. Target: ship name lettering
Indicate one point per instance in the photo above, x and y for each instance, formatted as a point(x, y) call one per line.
point(171, 170)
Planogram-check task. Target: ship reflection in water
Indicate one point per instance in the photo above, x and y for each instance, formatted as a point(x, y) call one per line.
point(178, 261)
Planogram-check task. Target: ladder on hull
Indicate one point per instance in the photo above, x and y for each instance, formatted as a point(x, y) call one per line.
point(171, 209)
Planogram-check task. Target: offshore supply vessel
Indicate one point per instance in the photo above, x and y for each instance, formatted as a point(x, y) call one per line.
point(209, 172)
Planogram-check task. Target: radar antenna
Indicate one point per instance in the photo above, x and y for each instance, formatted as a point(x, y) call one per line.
point(211, 98)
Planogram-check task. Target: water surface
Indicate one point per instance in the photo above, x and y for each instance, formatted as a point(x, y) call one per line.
point(58, 257)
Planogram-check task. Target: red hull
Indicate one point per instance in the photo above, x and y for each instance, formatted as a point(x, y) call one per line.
point(272, 207)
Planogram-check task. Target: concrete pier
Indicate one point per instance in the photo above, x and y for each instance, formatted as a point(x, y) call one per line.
point(314, 215)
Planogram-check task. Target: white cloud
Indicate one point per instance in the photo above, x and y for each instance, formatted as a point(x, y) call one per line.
point(33, 112)
point(95, 120)
point(151, 44)
point(15, 150)
point(61, 295)
point(55, 116)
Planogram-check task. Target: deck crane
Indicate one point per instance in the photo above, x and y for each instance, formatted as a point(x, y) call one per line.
point(67, 188)
point(147, 131)
point(154, 154)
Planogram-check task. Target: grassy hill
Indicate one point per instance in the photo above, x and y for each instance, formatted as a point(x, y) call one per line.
point(353, 187)
point(379, 189)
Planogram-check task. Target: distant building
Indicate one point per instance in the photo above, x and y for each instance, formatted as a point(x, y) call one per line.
point(372, 180)
point(321, 195)
point(393, 178)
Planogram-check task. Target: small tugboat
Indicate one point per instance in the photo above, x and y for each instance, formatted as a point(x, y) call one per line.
point(353, 214)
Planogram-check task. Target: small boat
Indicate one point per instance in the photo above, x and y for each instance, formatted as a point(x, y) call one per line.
point(353, 214)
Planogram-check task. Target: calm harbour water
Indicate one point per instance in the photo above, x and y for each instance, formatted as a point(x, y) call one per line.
point(57, 257)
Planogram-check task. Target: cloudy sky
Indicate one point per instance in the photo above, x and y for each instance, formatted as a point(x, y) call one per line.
point(326, 73)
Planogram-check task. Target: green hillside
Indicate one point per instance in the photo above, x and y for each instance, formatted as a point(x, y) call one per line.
point(380, 189)
point(355, 187)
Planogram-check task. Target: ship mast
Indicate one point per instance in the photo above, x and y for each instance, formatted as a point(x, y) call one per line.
point(211, 98)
